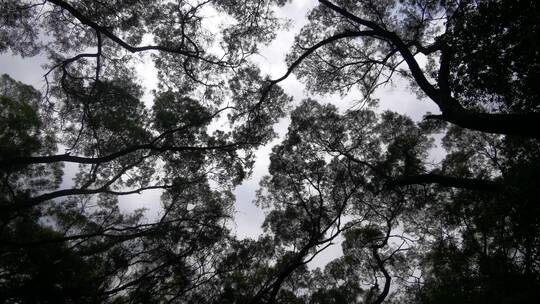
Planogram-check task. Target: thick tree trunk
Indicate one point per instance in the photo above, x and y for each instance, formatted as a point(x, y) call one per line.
point(527, 125)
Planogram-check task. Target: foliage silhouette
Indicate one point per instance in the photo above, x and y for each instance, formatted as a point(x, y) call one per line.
point(466, 229)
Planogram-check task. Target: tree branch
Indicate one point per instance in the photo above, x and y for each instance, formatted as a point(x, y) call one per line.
point(107, 158)
point(308, 52)
point(452, 111)
point(133, 49)
point(448, 181)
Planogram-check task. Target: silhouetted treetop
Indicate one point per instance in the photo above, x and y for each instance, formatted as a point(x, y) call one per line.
point(441, 210)
point(468, 44)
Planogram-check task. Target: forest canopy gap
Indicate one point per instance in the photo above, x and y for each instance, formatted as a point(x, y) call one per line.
point(465, 229)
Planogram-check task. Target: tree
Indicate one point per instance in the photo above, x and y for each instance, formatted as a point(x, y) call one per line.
point(365, 43)
point(466, 229)
point(92, 107)
point(460, 220)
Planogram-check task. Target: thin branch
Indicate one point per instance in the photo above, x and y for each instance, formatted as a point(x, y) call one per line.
point(133, 49)
point(308, 52)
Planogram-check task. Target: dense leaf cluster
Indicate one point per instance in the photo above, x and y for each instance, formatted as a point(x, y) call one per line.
point(465, 228)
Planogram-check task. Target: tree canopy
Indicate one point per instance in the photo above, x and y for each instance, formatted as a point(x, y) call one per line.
point(464, 229)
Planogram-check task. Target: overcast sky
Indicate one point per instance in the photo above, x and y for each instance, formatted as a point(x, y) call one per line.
point(248, 217)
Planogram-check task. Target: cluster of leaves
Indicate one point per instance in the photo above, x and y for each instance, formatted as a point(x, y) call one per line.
point(466, 229)
point(501, 66)
point(63, 242)
point(463, 230)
